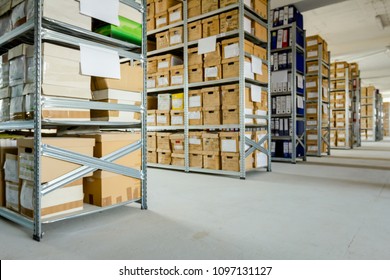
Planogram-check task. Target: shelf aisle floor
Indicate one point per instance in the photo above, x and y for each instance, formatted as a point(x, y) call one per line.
point(313, 210)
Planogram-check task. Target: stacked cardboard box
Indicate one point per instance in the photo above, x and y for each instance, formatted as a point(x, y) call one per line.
point(386, 118)
point(164, 148)
point(7, 146)
point(161, 13)
point(313, 46)
point(312, 141)
point(367, 113)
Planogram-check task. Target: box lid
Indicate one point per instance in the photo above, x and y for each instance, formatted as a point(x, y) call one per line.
point(22, 49)
point(210, 153)
point(116, 94)
point(151, 133)
point(60, 52)
point(177, 155)
point(210, 135)
point(176, 136)
point(163, 134)
point(163, 112)
point(177, 112)
point(61, 142)
point(210, 89)
point(228, 134)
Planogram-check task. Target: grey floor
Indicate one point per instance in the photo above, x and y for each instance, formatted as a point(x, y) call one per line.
point(327, 208)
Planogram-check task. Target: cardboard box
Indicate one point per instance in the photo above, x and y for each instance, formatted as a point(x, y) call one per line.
point(164, 5)
point(151, 118)
point(195, 98)
point(151, 141)
point(211, 96)
point(261, 32)
point(230, 95)
point(150, 23)
point(51, 168)
point(260, 159)
point(11, 194)
point(195, 116)
point(195, 30)
point(176, 36)
point(209, 5)
point(213, 58)
point(314, 52)
point(178, 159)
point(164, 157)
point(131, 80)
point(177, 75)
point(264, 77)
point(225, 3)
point(163, 141)
point(211, 116)
point(150, 9)
point(312, 67)
point(261, 8)
point(152, 65)
point(229, 142)
point(163, 118)
point(210, 25)
point(111, 190)
point(195, 142)
point(166, 62)
point(162, 40)
point(316, 40)
point(212, 72)
point(152, 156)
point(228, 21)
point(177, 117)
point(177, 143)
point(7, 146)
point(210, 142)
point(211, 160)
point(231, 50)
point(230, 115)
point(260, 52)
point(151, 81)
point(175, 13)
point(230, 161)
point(163, 79)
point(195, 59)
point(196, 160)
point(195, 74)
point(164, 102)
point(194, 8)
point(230, 69)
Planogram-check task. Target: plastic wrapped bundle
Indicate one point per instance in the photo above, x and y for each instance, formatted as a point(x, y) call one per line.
point(128, 30)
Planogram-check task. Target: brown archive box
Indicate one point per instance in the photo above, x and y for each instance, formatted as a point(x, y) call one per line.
point(211, 115)
point(164, 5)
point(210, 26)
point(195, 31)
point(194, 8)
point(211, 97)
point(175, 13)
point(194, 58)
point(210, 142)
point(163, 141)
point(152, 141)
point(211, 160)
point(209, 5)
point(196, 160)
point(177, 143)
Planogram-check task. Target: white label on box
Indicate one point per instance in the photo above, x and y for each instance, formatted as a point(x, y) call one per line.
point(229, 146)
point(255, 93)
point(300, 81)
point(340, 124)
point(11, 170)
point(26, 196)
point(339, 116)
point(312, 137)
point(312, 95)
point(313, 68)
point(248, 70)
point(312, 54)
point(311, 110)
point(257, 65)
point(248, 111)
point(340, 74)
point(211, 72)
point(106, 11)
point(338, 97)
point(340, 66)
point(299, 101)
point(151, 83)
point(99, 62)
point(178, 147)
point(325, 109)
point(164, 64)
point(175, 39)
point(177, 80)
point(207, 45)
point(194, 141)
point(248, 3)
point(261, 113)
point(312, 148)
point(174, 16)
point(12, 194)
point(162, 119)
point(340, 143)
point(311, 84)
point(312, 43)
point(231, 51)
point(26, 166)
point(177, 103)
point(311, 122)
point(177, 120)
point(248, 25)
point(150, 119)
point(194, 115)
point(163, 81)
point(339, 105)
point(161, 21)
point(195, 101)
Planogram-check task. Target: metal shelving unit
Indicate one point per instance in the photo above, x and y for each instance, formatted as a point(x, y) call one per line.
point(296, 140)
point(356, 114)
point(37, 31)
point(241, 127)
point(322, 128)
point(379, 117)
point(366, 101)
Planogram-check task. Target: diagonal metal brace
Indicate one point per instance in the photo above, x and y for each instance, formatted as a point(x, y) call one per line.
point(84, 170)
point(256, 146)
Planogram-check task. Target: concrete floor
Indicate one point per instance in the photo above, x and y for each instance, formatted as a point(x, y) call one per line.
point(327, 208)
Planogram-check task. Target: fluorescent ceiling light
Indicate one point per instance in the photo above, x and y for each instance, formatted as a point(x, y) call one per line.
point(379, 22)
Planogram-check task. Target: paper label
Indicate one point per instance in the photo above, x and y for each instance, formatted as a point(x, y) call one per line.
point(195, 101)
point(340, 143)
point(313, 68)
point(247, 25)
point(312, 95)
point(163, 81)
point(340, 66)
point(311, 122)
point(151, 119)
point(177, 80)
point(257, 65)
point(312, 43)
point(26, 196)
point(229, 146)
point(175, 16)
point(340, 74)
point(11, 170)
point(312, 137)
point(163, 64)
point(99, 62)
point(177, 120)
point(12, 194)
point(299, 101)
point(177, 103)
point(162, 119)
point(312, 148)
point(211, 72)
point(161, 21)
point(194, 141)
point(340, 124)
point(338, 97)
point(312, 54)
point(325, 90)
point(207, 45)
point(300, 81)
point(151, 83)
point(248, 70)
point(194, 115)
point(339, 116)
point(311, 84)
point(106, 11)
point(312, 111)
point(176, 39)
point(26, 166)
point(325, 109)
point(255, 93)
point(178, 147)
point(231, 51)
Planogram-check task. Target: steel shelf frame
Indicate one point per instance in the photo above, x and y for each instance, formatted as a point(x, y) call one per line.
point(40, 29)
point(241, 80)
point(320, 127)
point(295, 139)
point(372, 116)
point(379, 117)
point(356, 113)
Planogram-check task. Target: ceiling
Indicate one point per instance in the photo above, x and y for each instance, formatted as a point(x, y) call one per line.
point(353, 34)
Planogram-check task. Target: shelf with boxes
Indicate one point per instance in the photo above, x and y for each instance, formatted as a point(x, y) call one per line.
point(386, 119)
point(288, 85)
point(341, 106)
point(58, 89)
point(379, 117)
point(212, 85)
point(317, 96)
point(368, 113)
point(356, 92)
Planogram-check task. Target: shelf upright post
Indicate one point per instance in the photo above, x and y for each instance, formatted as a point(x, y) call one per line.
point(186, 90)
point(294, 93)
point(304, 98)
point(319, 103)
point(37, 235)
point(242, 88)
point(328, 107)
point(347, 111)
point(144, 132)
point(269, 24)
